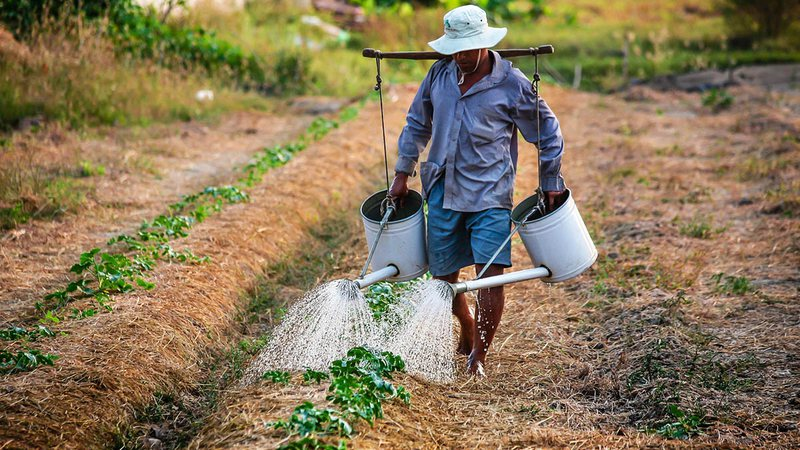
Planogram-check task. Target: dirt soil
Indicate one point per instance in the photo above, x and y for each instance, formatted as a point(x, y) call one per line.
point(673, 193)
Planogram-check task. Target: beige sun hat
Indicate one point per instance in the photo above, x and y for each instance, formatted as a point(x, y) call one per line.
point(466, 28)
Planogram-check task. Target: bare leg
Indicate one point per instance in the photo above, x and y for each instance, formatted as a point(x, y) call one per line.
point(488, 311)
point(461, 311)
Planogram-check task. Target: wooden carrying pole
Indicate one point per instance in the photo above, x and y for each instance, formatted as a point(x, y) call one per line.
point(507, 53)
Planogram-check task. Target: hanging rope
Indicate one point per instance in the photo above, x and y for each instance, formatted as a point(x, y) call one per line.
point(378, 82)
point(535, 84)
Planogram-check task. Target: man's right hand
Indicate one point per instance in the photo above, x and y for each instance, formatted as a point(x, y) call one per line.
point(399, 188)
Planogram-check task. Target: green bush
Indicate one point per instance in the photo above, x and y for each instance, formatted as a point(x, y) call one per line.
point(764, 19)
point(137, 31)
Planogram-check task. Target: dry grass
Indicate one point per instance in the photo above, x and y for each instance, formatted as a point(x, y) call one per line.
point(111, 364)
point(54, 76)
point(596, 362)
point(52, 84)
point(145, 170)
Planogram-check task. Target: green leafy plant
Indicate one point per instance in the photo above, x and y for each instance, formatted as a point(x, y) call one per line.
point(717, 99)
point(269, 158)
point(359, 385)
point(698, 228)
point(24, 360)
point(381, 296)
point(320, 127)
point(76, 313)
point(729, 284)
point(685, 424)
point(314, 376)
point(20, 333)
point(277, 376)
point(307, 420)
point(88, 169)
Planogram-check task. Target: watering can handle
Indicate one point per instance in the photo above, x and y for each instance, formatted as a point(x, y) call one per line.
point(513, 232)
point(390, 209)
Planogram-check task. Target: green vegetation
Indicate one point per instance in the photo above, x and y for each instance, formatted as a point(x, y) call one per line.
point(20, 333)
point(103, 274)
point(359, 385)
point(314, 376)
point(381, 296)
point(277, 376)
point(137, 31)
point(685, 425)
point(24, 360)
point(676, 379)
point(696, 228)
point(729, 284)
point(717, 99)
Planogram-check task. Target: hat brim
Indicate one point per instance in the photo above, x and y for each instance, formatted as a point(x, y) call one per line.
point(448, 46)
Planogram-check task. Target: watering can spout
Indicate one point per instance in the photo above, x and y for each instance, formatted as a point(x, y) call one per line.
point(500, 280)
point(379, 275)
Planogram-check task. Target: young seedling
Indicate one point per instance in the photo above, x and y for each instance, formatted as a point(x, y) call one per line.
point(277, 376)
point(24, 360)
point(314, 376)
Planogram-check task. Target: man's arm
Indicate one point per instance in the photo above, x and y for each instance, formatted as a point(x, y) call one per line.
point(414, 137)
point(552, 142)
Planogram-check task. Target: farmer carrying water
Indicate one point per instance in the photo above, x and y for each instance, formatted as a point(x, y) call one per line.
point(470, 106)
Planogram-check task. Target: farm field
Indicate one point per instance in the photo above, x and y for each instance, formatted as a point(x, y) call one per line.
point(684, 334)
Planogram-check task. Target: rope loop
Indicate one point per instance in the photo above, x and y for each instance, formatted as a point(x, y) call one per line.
point(378, 82)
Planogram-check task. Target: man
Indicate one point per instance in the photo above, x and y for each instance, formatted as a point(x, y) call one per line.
point(470, 107)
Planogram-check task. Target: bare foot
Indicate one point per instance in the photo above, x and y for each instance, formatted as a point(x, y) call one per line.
point(475, 365)
point(465, 342)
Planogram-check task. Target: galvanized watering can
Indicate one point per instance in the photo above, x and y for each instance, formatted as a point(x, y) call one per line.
point(396, 238)
point(558, 244)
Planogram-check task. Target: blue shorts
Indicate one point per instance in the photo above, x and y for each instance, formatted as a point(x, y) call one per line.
point(461, 239)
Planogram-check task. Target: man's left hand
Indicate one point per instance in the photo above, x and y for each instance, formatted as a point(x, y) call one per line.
point(554, 199)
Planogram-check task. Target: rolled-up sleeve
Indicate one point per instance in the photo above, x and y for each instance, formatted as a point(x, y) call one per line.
point(417, 132)
point(552, 142)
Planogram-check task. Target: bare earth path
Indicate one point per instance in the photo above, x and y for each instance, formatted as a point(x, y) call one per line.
point(684, 205)
point(171, 161)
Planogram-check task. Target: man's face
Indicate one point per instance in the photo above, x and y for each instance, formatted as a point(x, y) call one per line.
point(467, 60)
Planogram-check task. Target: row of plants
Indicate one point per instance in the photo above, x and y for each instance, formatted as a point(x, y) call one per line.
point(359, 385)
point(101, 275)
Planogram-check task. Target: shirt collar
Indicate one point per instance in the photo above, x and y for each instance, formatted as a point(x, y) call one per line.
point(500, 69)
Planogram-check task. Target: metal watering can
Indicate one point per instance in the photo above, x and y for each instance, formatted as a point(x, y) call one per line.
point(558, 244)
point(396, 238)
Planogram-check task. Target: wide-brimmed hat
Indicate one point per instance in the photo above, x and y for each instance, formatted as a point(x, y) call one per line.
point(466, 28)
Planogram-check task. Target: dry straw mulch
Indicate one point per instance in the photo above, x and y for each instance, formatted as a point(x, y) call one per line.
point(110, 365)
point(673, 195)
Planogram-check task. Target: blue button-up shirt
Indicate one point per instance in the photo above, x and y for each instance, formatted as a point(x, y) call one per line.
point(474, 136)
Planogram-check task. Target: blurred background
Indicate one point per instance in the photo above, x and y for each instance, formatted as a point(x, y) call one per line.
point(135, 61)
point(91, 68)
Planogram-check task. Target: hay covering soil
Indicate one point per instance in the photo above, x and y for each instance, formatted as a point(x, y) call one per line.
point(673, 194)
point(111, 365)
point(143, 175)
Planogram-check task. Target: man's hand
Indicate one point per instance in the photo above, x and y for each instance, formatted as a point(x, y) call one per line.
point(554, 199)
point(399, 188)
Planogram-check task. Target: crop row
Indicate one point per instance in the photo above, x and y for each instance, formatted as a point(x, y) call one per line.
point(359, 384)
point(100, 275)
